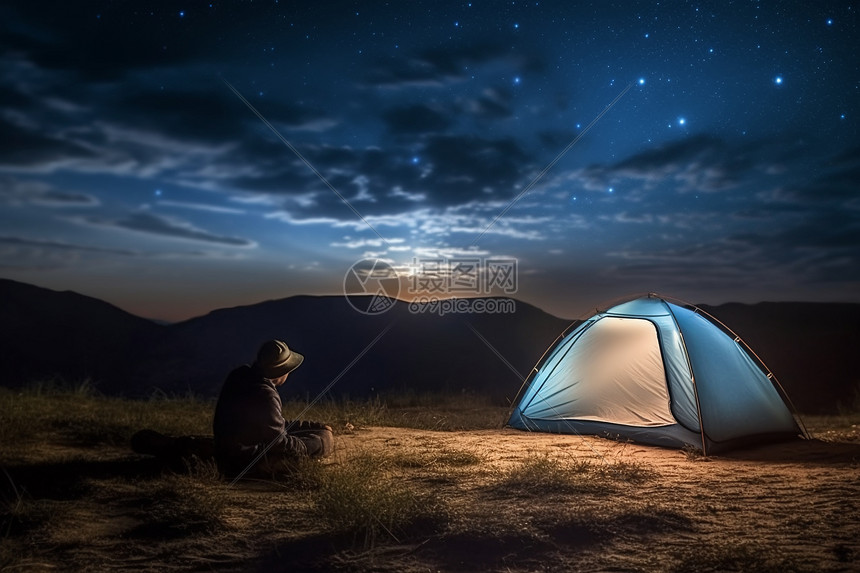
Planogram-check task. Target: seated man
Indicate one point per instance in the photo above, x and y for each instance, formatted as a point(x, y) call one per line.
point(250, 431)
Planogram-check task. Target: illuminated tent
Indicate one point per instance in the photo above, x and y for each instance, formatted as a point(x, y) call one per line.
point(657, 373)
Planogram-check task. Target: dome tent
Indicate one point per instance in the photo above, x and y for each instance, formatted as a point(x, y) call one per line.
point(658, 373)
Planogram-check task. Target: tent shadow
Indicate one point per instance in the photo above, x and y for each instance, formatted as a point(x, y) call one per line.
point(811, 451)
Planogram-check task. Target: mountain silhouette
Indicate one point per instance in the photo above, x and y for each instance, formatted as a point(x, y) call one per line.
point(489, 354)
point(64, 335)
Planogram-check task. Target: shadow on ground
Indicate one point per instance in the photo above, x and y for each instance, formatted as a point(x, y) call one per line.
point(812, 451)
point(66, 480)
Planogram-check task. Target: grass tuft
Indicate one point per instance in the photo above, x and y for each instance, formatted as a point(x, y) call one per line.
point(544, 474)
point(180, 505)
point(364, 498)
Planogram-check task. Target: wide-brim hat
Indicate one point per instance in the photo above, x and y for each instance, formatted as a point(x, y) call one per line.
point(274, 359)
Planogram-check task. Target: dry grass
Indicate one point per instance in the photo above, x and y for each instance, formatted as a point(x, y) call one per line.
point(395, 498)
point(423, 411)
point(544, 474)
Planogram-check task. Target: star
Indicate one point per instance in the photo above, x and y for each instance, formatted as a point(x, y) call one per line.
point(158, 192)
point(517, 80)
point(830, 21)
point(415, 160)
point(681, 121)
point(182, 13)
point(778, 80)
point(641, 81)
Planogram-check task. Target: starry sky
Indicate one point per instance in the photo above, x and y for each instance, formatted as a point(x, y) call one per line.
point(172, 158)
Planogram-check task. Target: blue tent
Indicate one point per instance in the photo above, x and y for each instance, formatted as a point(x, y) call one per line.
point(657, 373)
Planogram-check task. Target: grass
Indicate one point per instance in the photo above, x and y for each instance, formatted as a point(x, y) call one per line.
point(81, 416)
point(419, 411)
point(365, 499)
point(73, 496)
point(545, 474)
point(28, 415)
point(368, 499)
point(178, 505)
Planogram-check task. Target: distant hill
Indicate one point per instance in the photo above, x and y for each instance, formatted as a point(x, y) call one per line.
point(45, 334)
point(809, 346)
point(417, 352)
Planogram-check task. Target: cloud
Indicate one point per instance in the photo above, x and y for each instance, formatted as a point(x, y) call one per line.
point(451, 170)
point(415, 119)
point(201, 207)
point(59, 245)
point(23, 149)
point(143, 222)
point(437, 67)
point(14, 191)
point(700, 163)
point(23, 254)
point(838, 182)
point(493, 103)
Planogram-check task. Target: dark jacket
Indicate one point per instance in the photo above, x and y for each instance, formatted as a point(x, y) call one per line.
point(248, 417)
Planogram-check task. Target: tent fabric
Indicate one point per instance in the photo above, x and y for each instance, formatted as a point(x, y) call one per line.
point(736, 398)
point(656, 373)
point(612, 373)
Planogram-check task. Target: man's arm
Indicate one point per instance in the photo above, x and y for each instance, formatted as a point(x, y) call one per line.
point(282, 442)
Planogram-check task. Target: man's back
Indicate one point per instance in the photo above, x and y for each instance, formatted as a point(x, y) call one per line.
point(247, 419)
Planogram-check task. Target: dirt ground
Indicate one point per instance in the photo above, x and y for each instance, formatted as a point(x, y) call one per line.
point(790, 506)
point(783, 507)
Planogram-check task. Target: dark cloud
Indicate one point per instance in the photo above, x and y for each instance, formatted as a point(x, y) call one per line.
point(15, 191)
point(701, 163)
point(23, 254)
point(30, 148)
point(451, 170)
point(439, 66)
point(168, 227)
point(415, 119)
point(63, 199)
point(57, 245)
point(468, 167)
point(97, 42)
point(493, 103)
point(839, 181)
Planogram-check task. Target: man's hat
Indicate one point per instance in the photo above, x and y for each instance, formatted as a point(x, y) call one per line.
point(274, 359)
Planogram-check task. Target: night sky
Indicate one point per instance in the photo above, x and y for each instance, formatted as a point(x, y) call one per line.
point(708, 151)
